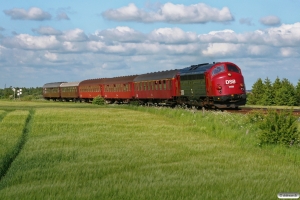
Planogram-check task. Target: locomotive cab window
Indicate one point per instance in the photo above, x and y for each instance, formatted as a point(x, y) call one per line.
point(233, 68)
point(218, 69)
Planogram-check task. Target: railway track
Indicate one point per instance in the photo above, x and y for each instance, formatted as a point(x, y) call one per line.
point(245, 110)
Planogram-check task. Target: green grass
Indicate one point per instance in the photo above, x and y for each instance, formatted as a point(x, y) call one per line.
point(12, 138)
point(115, 152)
point(274, 107)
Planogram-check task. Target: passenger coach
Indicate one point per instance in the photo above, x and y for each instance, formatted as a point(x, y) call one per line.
point(158, 87)
point(52, 91)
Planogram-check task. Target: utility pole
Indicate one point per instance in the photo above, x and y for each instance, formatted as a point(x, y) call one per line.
point(14, 93)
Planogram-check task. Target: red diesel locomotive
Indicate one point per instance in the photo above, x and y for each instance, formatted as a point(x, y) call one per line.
point(219, 85)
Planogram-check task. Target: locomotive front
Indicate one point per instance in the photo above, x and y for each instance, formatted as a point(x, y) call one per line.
point(226, 85)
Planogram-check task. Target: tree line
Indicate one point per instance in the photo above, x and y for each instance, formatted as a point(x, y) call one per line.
point(27, 93)
point(279, 93)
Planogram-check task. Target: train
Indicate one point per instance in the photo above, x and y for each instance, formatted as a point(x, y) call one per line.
point(211, 85)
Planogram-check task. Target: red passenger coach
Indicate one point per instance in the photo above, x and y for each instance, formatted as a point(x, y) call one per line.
point(157, 87)
point(118, 89)
point(89, 89)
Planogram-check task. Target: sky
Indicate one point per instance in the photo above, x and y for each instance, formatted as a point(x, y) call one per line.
point(42, 42)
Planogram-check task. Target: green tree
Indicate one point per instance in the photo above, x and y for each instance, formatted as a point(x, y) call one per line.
point(286, 95)
point(277, 84)
point(298, 93)
point(255, 97)
point(268, 95)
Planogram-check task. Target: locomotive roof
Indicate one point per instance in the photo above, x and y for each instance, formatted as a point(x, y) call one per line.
point(157, 75)
point(196, 69)
point(51, 85)
point(70, 84)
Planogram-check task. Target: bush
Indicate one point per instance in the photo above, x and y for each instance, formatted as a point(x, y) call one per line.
point(98, 101)
point(134, 103)
point(276, 127)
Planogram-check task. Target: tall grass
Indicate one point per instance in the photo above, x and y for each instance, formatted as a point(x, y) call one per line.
point(2, 114)
point(11, 138)
point(144, 153)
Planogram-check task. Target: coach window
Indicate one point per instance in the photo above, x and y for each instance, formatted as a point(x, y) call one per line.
point(165, 84)
point(218, 69)
point(160, 85)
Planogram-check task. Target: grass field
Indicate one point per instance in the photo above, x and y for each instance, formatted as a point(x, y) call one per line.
point(82, 151)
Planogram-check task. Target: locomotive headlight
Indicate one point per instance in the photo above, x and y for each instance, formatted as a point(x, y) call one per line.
point(229, 74)
point(242, 86)
point(219, 87)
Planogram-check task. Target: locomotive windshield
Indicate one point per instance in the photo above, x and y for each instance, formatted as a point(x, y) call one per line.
point(218, 70)
point(233, 68)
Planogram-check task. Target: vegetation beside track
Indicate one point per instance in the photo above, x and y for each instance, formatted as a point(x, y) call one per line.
point(85, 151)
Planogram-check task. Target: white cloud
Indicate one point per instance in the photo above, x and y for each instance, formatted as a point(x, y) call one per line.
point(171, 13)
point(161, 49)
point(172, 35)
point(50, 56)
point(285, 35)
point(270, 21)
point(62, 16)
point(289, 52)
point(221, 49)
point(25, 41)
point(120, 33)
point(47, 30)
point(76, 35)
point(33, 13)
point(259, 50)
point(226, 35)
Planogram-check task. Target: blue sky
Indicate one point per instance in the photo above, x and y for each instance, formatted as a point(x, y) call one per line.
point(76, 40)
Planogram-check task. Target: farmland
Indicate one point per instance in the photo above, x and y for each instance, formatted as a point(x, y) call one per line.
point(83, 151)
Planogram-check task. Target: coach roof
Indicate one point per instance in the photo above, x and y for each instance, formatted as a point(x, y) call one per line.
point(52, 85)
point(70, 84)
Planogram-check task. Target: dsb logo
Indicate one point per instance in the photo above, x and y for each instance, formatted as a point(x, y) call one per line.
point(232, 81)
